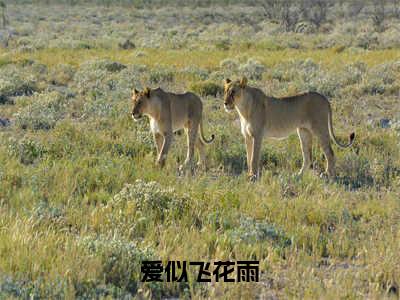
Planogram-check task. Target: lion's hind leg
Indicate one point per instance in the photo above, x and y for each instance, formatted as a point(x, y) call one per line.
point(325, 141)
point(202, 154)
point(158, 141)
point(191, 134)
point(305, 137)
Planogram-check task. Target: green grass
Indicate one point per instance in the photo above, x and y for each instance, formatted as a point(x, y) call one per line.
point(208, 59)
point(70, 226)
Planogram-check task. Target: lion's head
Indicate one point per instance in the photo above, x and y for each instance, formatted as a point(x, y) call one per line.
point(232, 92)
point(140, 102)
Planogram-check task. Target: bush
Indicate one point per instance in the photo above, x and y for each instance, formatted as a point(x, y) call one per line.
point(121, 260)
point(100, 108)
point(127, 45)
point(252, 69)
point(356, 171)
point(151, 198)
point(103, 64)
point(140, 207)
point(305, 27)
point(367, 41)
point(195, 73)
point(14, 82)
point(251, 231)
point(386, 72)
point(45, 212)
point(97, 77)
point(161, 75)
point(228, 68)
point(381, 79)
point(354, 73)
point(325, 84)
point(62, 74)
point(32, 289)
point(207, 88)
point(43, 113)
point(229, 64)
point(223, 44)
point(26, 150)
point(306, 75)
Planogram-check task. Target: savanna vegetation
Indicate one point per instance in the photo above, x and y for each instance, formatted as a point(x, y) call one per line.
point(82, 202)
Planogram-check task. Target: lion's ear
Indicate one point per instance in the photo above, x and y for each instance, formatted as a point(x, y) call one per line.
point(243, 82)
point(227, 81)
point(147, 92)
point(135, 91)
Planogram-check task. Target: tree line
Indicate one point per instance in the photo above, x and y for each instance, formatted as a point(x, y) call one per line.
point(290, 14)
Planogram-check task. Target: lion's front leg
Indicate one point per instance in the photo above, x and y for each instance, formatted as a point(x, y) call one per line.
point(255, 157)
point(166, 143)
point(249, 143)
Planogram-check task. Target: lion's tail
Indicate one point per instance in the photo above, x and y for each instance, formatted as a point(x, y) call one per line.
point(203, 139)
point(332, 134)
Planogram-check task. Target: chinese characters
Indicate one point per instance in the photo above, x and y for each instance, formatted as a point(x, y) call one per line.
point(220, 271)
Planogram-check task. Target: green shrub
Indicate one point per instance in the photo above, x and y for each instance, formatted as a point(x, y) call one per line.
point(26, 150)
point(15, 82)
point(99, 108)
point(306, 75)
point(367, 41)
point(195, 73)
point(252, 69)
point(160, 75)
point(97, 77)
point(354, 73)
point(103, 64)
point(229, 64)
point(251, 231)
point(151, 198)
point(32, 289)
point(62, 74)
point(224, 44)
point(381, 79)
point(206, 88)
point(43, 113)
point(121, 260)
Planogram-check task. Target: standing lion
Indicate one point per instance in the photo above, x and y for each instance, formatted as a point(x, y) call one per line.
point(168, 113)
point(261, 116)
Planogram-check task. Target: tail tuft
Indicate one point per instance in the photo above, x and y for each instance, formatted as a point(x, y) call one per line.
point(203, 139)
point(352, 136)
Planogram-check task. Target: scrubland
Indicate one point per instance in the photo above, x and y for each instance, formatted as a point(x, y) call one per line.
point(82, 202)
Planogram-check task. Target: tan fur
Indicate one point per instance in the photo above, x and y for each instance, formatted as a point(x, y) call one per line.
point(261, 116)
point(169, 112)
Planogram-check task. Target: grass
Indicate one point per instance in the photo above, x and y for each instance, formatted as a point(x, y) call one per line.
point(82, 202)
point(208, 59)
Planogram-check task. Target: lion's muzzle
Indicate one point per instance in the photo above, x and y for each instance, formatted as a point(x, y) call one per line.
point(228, 107)
point(136, 117)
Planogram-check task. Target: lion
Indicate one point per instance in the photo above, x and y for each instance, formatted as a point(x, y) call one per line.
point(309, 114)
point(169, 113)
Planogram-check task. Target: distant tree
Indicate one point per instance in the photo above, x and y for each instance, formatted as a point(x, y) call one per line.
point(290, 15)
point(286, 12)
point(378, 14)
point(396, 8)
point(316, 11)
point(4, 19)
point(106, 3)
point(340, 10)
point(72, 2)
point(355, 7)
point(271, 9)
